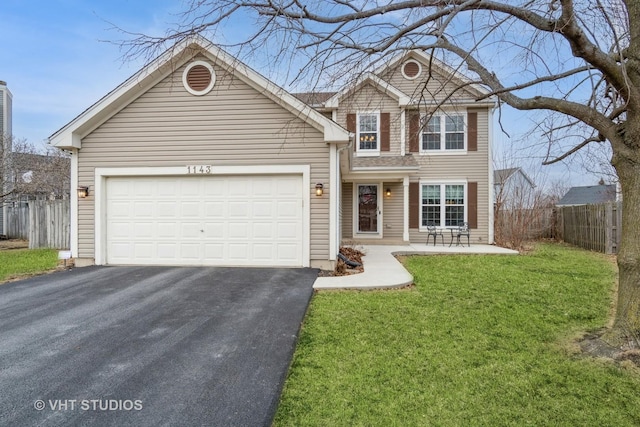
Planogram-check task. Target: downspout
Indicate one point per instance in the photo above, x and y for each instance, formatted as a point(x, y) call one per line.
point(339, 185)
point(491, 187)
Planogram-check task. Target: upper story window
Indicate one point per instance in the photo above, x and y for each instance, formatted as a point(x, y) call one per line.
point(368, 137)
point(444, 133)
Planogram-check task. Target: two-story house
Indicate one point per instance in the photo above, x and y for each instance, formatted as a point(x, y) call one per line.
point(200, 160)
point(421, 153)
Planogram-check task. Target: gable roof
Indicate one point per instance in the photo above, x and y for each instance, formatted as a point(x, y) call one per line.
point(70, 136)
point(589, 195)
point(369, 78)
point(445, 69)
point(315, 99)
point(501, 176)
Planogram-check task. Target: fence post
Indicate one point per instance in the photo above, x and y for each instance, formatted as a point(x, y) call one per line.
point(609, 229)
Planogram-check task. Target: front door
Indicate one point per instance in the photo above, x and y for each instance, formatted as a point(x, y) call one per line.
point(368, 209)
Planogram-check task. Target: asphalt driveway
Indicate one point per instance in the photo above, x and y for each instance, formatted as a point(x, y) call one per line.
point(149, 345)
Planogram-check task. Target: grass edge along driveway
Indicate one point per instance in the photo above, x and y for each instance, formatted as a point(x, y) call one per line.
point(480, 341)
point(22, 263)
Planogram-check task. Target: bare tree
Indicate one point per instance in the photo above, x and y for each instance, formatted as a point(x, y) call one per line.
point(27, 171)
point(576, 59)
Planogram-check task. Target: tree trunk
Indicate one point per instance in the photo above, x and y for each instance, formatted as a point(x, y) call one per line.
point(626, 328)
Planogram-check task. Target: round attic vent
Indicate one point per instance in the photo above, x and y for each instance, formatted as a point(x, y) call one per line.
point(411, 69)
point(198, 78)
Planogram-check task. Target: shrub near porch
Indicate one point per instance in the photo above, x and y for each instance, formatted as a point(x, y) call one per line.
point(480, 340)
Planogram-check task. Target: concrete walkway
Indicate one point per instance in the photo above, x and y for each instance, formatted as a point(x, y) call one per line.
point(383, 270)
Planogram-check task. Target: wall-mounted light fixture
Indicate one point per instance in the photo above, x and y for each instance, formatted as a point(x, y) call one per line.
point(83, 192)
point(388, 192)
point(319, 188)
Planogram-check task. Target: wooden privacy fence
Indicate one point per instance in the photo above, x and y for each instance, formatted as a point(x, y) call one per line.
point(593, 227)
point(45, 223)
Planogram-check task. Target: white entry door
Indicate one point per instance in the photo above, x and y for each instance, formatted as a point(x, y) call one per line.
point(254, 220)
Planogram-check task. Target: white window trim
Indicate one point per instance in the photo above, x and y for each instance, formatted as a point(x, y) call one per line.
point(367, 153)
point(443, 131)
point(443, 184)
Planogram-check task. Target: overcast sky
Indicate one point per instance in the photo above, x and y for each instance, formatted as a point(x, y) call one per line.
point(57, 60)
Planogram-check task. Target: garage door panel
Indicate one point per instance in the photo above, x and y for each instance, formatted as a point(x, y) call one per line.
point(238, 209)
point(287, 251)
point(167, 209)
point(144, 230)
point(214, 251)
point(214, 209)
point(238, 230)
point(144, 188)
point(263, 209)
point(167, 251)
point(214, 230)
point(205, 220)
point(167, 230)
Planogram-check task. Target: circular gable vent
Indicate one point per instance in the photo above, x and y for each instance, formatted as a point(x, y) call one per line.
point(198, 78)
point(411, 69)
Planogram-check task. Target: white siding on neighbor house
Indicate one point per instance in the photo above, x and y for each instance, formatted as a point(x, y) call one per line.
point(233, 125)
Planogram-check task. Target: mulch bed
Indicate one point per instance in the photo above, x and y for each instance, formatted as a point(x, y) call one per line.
point(343, 269)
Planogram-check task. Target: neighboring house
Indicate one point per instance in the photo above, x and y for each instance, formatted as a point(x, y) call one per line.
point(589, 195)
point(39, 176)
point(513, 189)
point(199, 160)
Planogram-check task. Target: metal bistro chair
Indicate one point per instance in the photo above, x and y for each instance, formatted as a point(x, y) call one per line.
point(433, 231)
point(457, 233)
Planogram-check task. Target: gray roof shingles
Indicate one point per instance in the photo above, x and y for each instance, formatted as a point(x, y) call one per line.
point(589, 195)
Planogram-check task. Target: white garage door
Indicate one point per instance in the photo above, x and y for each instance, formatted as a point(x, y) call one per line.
point(205, 220)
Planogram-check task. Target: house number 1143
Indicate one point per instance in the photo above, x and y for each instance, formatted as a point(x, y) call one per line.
point(199, 169)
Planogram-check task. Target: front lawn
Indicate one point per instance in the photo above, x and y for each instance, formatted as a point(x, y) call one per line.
point(25, 262)
point(480, 341)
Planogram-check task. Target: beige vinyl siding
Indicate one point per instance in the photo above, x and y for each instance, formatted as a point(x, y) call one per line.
point(473, 166)
point(233, 125)
point(347, 210)
point(368, 98)
point(393, 207)
point(438, 87)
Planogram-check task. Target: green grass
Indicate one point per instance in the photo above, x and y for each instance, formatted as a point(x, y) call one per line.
point(26, 262)
point(480, 341)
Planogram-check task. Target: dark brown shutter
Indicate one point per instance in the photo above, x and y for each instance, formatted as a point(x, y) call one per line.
point(472, 193)
point(414, 205)
point(414, 130)
point(351, 122)
point(385, 140)
point(472, 131)
point(351, 127)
